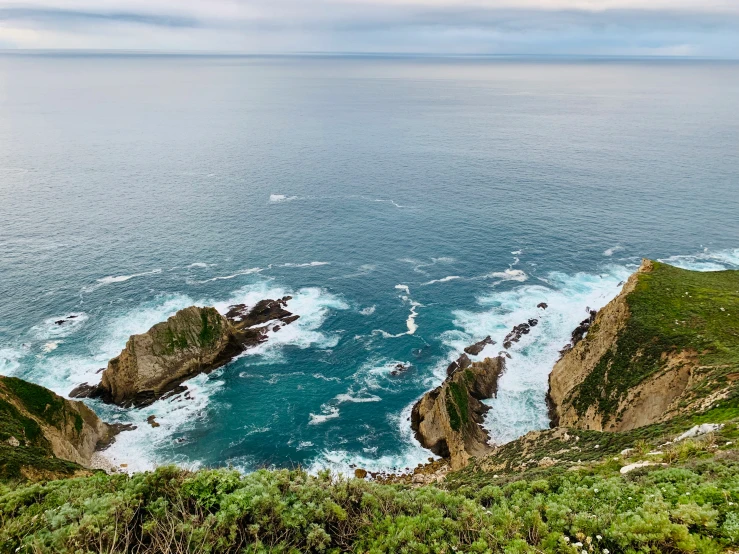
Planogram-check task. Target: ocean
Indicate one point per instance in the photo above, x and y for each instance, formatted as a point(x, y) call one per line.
point(410, 205)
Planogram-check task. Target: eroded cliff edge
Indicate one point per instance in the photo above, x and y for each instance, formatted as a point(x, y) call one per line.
point(447, 419)
point(40, 432)
point(667, 345)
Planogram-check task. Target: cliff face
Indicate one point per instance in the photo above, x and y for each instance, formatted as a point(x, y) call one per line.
point(447, 419)
point(193, 341)
point(668, 344)
point(38, 426)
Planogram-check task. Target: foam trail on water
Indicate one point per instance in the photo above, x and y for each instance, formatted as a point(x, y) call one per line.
point(611, 251)
point(275, 198)
point(519, 406)
point(411, 321)
point(442, 280)
point(112, 279)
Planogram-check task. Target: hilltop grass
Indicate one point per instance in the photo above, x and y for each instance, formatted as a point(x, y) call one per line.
point(690, 506)
point(672, 310)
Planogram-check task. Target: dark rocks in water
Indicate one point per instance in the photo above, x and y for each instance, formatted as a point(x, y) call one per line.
point(60, 322)
point(398, 369)
point(100, 370)
point(504, 353)
point(151, 420)
point(533, 322)
point(360, 473)
point(71, 316)
point(507, 344)
point(462, 362)
point(475, 349)
point(579, 333)
point(542, 305)
point(193, 341)
point(84, 390)
point(516, 333)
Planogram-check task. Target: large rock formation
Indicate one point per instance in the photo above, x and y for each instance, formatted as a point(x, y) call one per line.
point(447, 419)
point(666, 345)
point(193, 341)
point(38, 426)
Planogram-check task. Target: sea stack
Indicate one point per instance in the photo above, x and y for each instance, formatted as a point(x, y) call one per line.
point(447, 419)
point(195, 340)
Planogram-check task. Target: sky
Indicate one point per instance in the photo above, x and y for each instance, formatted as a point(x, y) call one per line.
point(696, 28)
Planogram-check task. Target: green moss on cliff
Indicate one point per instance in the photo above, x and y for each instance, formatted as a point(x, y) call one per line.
point(672, 310)
point(210, 331)
point(39, 401)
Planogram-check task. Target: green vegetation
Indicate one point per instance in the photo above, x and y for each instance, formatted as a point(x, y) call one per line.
point(23, 462)
point(14, 424)
point(672, 310)
point(459, 395)
point(39, 401)
point(454, 420)
point(691, 505)
point(209, 333)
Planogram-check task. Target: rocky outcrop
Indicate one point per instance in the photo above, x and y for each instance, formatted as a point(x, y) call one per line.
point(475, 349)
point(43, 425)
point(661, 348)
point(193, 341)
point(447, 419)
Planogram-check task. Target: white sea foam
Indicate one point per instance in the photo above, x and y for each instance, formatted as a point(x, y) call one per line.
point(274, 198)
point(123, 278)
point(411, 321)
point(442, 280)
point(51, 346)
point(10, 360)
point(369, 310)
point(248, 271)
point(309, 264)
point(611, 251)
point(327, 413)
point(507, 275)
point(707, 260)
point(199, 265)
point(51, 329)
point(347, 397)
point(342, 462)
point(519, 406)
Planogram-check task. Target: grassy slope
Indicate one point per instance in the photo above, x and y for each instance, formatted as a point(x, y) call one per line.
point(22, 406)
point(689, 505)
point(672, 310)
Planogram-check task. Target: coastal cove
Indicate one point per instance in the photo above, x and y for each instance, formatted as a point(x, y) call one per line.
point(404, 231)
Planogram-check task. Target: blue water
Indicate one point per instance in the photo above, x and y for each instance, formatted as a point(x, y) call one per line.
point(410, 206)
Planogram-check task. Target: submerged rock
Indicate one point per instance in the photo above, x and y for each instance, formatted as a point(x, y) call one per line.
point(447, 419)
point(194, 340)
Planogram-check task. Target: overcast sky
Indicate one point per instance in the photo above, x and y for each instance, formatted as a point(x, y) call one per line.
point(552, 27)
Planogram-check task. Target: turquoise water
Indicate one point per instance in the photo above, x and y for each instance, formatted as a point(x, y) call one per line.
point(410, 206)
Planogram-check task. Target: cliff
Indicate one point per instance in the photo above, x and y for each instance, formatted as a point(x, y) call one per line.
point(43, 435)
point(667, 345)
point(194, 340)
point(447, 419)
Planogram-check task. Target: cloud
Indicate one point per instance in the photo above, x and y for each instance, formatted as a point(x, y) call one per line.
point(659, 27)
